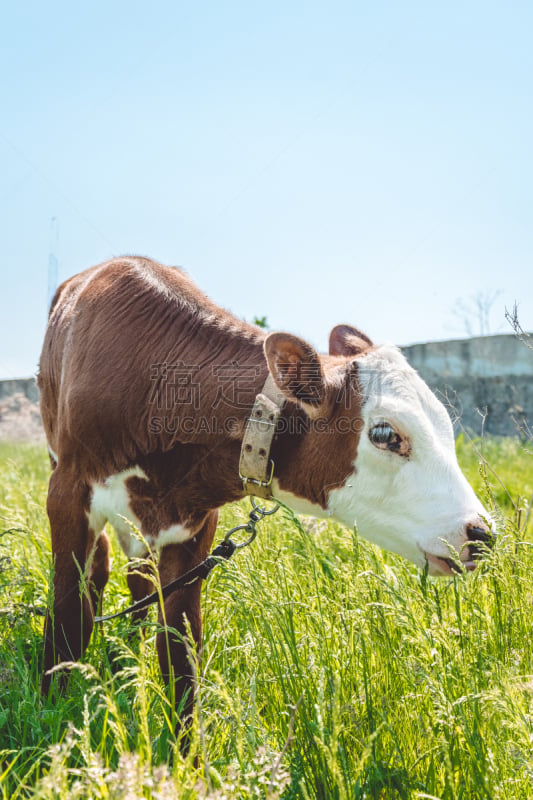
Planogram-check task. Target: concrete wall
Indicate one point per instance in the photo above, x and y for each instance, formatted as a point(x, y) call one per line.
point(486, 382)
point(23, 386)
point(19, 411)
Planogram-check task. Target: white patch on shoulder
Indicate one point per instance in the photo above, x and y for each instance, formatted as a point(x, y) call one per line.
point(53, 455)
point(110, 502)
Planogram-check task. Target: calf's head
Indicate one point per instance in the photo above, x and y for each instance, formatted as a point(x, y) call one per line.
point(402, 485)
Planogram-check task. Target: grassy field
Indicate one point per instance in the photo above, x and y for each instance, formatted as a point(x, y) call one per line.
point(330, 669)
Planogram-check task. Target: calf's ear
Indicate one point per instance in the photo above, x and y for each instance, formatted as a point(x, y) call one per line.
point(347, 341)
point(296, 369)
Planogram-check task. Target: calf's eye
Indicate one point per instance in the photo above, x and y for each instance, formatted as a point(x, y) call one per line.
point(385, 437)
point(382, 434)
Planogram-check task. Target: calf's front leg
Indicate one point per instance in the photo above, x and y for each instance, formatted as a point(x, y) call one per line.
point(182, 605)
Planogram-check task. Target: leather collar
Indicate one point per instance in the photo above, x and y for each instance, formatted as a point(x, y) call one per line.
point(256, 468)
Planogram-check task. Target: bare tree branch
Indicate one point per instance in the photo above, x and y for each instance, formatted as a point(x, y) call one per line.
point(512, 319)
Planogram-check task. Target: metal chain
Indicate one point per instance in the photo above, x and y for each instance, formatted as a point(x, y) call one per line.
point(256, 515)
point(222, 552)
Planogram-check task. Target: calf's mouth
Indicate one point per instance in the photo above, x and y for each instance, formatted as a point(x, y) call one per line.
point(448, 566)
point(479, 540)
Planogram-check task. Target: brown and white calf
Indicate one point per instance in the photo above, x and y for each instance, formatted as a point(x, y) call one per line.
point(146, 388)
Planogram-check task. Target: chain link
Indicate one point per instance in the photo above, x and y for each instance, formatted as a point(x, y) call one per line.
point(257, 513)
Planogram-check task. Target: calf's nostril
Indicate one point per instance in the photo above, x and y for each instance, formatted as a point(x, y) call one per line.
point(480, 533)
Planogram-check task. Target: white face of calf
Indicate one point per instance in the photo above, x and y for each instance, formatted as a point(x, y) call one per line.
point(407, 493)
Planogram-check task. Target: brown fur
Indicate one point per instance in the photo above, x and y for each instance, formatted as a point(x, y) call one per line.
point(104, 409)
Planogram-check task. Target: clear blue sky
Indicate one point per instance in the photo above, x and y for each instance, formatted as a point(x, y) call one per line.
point(314, 162)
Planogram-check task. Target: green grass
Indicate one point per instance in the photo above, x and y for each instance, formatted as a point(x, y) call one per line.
point(330, 669)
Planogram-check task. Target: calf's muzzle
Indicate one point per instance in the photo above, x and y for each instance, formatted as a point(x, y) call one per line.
point(481, 537)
